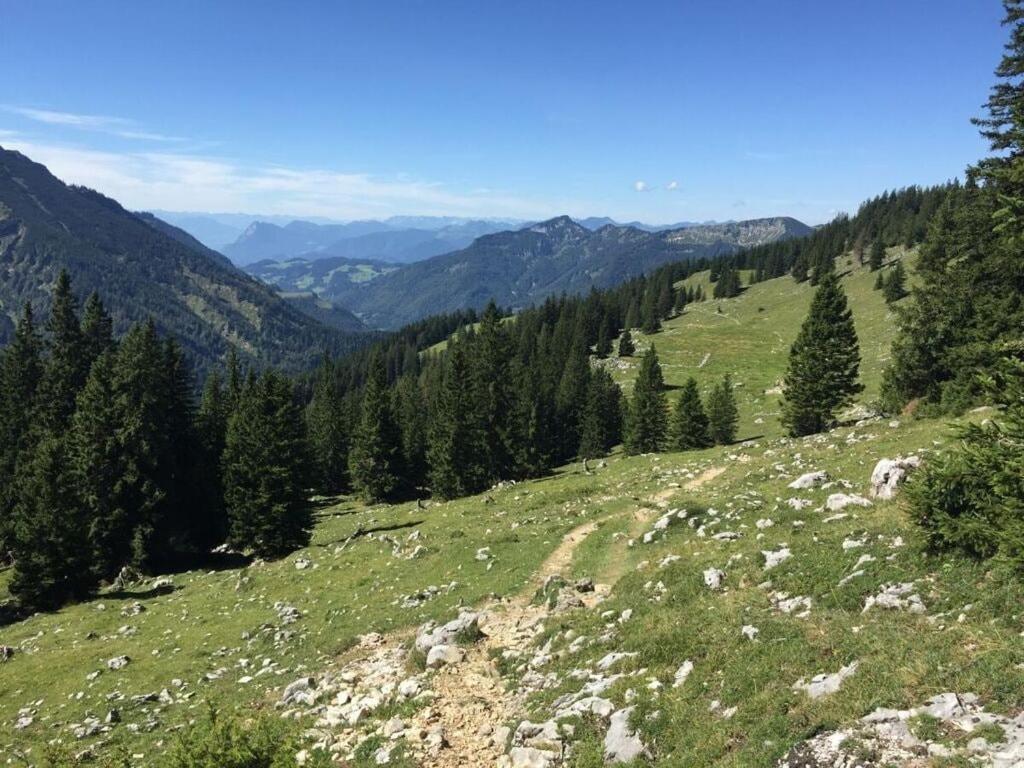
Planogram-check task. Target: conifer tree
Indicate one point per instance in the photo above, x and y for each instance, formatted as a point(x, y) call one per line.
point(877, 256)
point(20, 371)
point(651, 322)
point(895, 287)
point(373, 460)
point(626, 347)
point(632, 315)
point(140, 408)
point(411, 413)
point(603, 348)
point(680, 302)
point(722, 413)
point(689, 428)
point(97, 329)
point(266, 470)
point(492, 389)
point(457, 442)
point(211, 428)
point(823, 363)
point(570, 399)
point(648, 412)
point(96, 460)
point(601, 423)
point(879, 281)
point(328, 432)
point(65, 368)
point(50, 532)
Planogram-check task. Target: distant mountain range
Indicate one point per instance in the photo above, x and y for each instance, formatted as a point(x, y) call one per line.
point(516, 268)
point(144, 267)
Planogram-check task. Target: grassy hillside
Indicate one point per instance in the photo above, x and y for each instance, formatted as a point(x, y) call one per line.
point(217, 635)
point(749, 337)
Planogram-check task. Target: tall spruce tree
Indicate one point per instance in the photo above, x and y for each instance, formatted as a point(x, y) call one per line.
point(877, 256)
point(97, 329)
point(410, 410)
point(895, 287)
point(66, 364)
point(96, 458)
point(601, 425)
point(648, 412)
point(50, 532)
point(374, 458)
point(823, 363)
point(490, 357)
point(689, 428)
point(266, 470)
point(457, 439)
point(723, 415)
point(328, 432)
point(21, 368)
point(626, 347)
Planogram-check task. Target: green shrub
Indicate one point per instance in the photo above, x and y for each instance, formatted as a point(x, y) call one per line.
point(971, 499)
point(220, 740)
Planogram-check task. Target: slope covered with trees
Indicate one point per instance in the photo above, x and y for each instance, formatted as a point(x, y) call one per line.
point(144, 269)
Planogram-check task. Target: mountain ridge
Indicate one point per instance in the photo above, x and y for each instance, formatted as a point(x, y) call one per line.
point(141, 267)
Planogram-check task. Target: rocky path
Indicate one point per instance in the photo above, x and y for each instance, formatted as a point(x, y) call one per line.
point(467, 700)
point(471, 699)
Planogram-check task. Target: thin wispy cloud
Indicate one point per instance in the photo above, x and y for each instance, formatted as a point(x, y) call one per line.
point(178, 181)
point(672, 186)
point(640, 186)
point(115, 126)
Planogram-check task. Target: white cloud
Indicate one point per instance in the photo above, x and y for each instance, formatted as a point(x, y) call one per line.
point(672, 186)
point(640, 186)
point(115, 126)
point(177, 181)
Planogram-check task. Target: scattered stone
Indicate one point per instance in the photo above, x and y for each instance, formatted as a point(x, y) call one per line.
point(824, 684)
point(713, 578)
point(446, 634)
point(118, 662)
point(897, 597)
point(682, 673)
point(621, 744)
point(809, 480)
point(772, 559)
point(440, 655)
point(750, 632)
point(838, 501)
point(889, 474)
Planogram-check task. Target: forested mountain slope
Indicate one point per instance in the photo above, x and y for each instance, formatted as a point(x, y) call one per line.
point(141, 267)
point(521, 267)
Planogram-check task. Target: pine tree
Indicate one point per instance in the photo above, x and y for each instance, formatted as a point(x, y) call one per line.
point(328, 432)
point(266, 470)
point(489, 363)
point(96, 459)
point(648, 412)
point(626, 347)
point(823, 363)
point(877, 256)
point(65, 368)
point(879, 281)
point(601, 422)
point(97, 329)
point(411, 413)
point(603, 348)
point(373, 460)
point(680, 303)
point(895, 284)
point(50, 533)
point(211, 429)
point(20, 371)
point(722, 413)
point(651, 322)
point(140, 407)
point(457, 442)
point(570, 399)
point(689, 429)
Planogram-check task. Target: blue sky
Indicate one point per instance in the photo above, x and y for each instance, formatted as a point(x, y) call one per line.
point(659, 111)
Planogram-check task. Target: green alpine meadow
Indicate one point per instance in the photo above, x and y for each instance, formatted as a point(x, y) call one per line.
point(451, 457)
